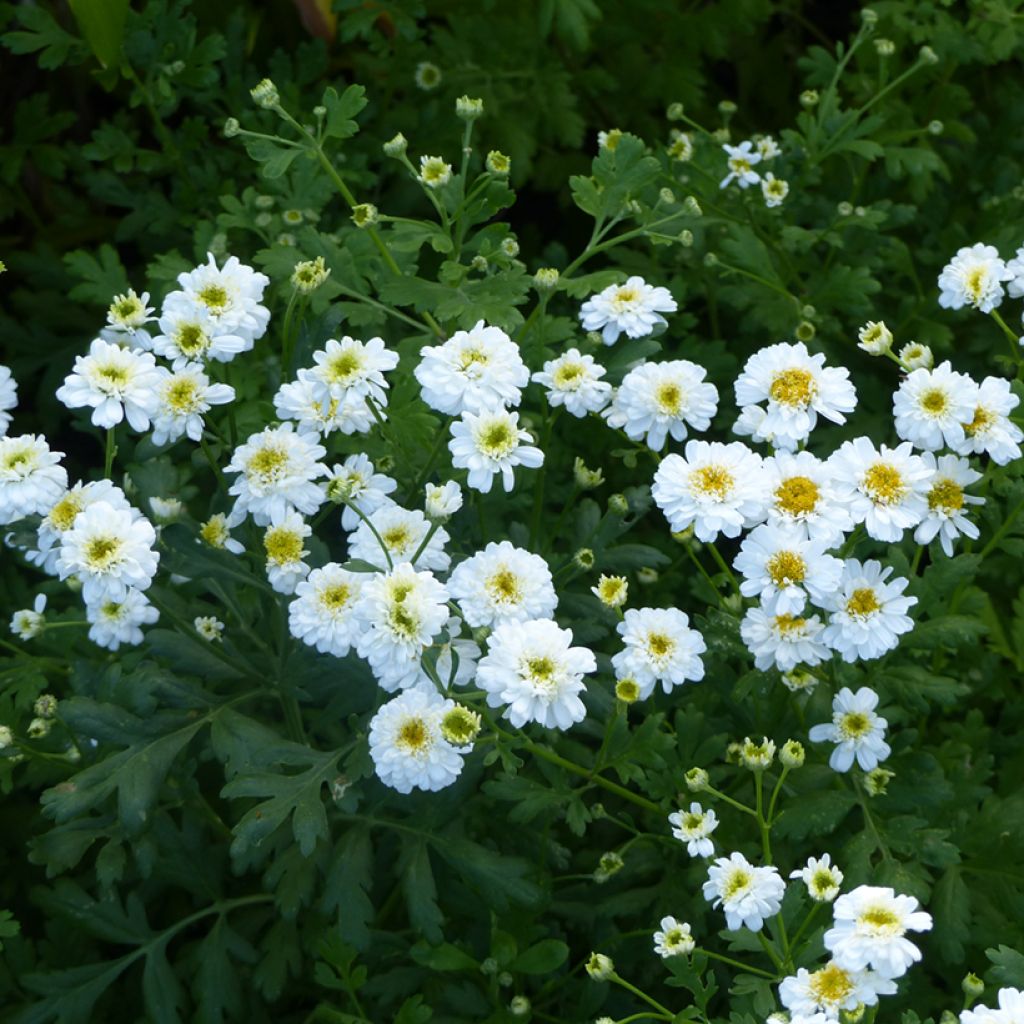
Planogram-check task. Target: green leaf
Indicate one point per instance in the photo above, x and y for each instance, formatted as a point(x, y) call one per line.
point(347, 886)
point(44, 36)
point(101, 279)
point(102, 24)
point(500, 878)
point(813, 814)
point(542, 958)
point(444, 957)
point(420, 890)
point(341, 110)
point(1007, 966)
point(951, 905)
point(8, 926)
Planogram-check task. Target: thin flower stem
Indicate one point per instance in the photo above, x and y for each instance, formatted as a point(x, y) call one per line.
point(373, 530)
point(428, 466)
point(735, 963)
point(723, 565)
point(766, 843)
point(707, 576)
point(640, 994)
point(434, 527)
point(286, 330)
point(775, 795)
point(212, 461)
point(110, 452)
point(1010, 336)
point(773, 955)
point(811, 914)
point(730, 801)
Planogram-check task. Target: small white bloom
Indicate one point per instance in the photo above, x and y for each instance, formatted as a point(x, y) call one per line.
point(352, 371)
point(183, 397)
point(855, 729)
point(282, 542)
point(659, 400)
point(442, 501)
point(783, 640)
point(673, 939)
point(931, 407)
point(127, 317)
point(31, 479)
point(803, 497)
point(188, 334)
point(573, 380)
point(810, 995)
point(217, 533)
point(875, 338)
point(694, 828)
point(8, 398)
point(660, 647)
point(118, 620)
point(532, 668)
point(209, 627)
point(680, 146)
point(1010, 1011)
point(301, 401)
point(633, 309)
point(774, 190)
point(434, 172)
point(503, 583)
point(974, 277)
point(491, 443)
point(323, 613)
point(402, 532)
point(767, 147)
point(30, 622)
point(456, 658)
point(741, 161)
point(947, 498)
point(747, 894)
point(356, 483)
point(990, 430)
point(915, 356)
point(821, 877)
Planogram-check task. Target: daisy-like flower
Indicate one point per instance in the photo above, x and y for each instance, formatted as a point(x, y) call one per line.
point(1010, 1010)
point(188, 334)
point(116, 383)
point(407, 746)
point(8, 398)
point(931, 407)
point(947, 501)
point(673, 939)
point(282, 543)
point(741, 161)
point(747, 894)
point(127, 317)
point(767, 147)
point(821, 877)
point(915, 356)
point(492, 443)
point(633, 309)
point(974, 277)
point(533, 668)
point(209, 627)
point(870, 930)
point(503, 583)
point(802, 498)
point(990, 429)
point(323, 612)
point(774, 190)
point(301, 402)
point(402, 532)
point(216, 532)
point(611, 591)
point(184, 396)
point(573, 381)
point(31, 477)
point(855, 729)
point(442, 501)
point(694, 828)
point(884, 488)
point(831, 989)
point(868, 614)
point(277, 469)
point(119, 620)
point(782, 568)
point(473, 371)
point(110, 550)
point(660, 647)
point(30, 622)
point(658, 400)
point(875, 338)
point(782, 640)
point(434, 172)
point(401, 612)
point(356, 483)
point(680, 146)
point(798, 388)
point(352, 371)
point(714, 487)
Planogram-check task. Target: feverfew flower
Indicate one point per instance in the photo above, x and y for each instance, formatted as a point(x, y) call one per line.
point(974, 277)
point(407, 746)
point(875, 338)
point(282, 543)
point(868, 614)
point(434, 172)
point(947, 499)
point(116, 383)
point(209, 627)
point(915, 356)
point(829, 990)
point(783, 640)
point(127, 317)
point(352, 371)
point(217, 533)
point(491, 443)
point(1011, 1010)
point(855, 729)
point(658, 400)
point(931, 407)
point(402, 532)
point(189, 334)
point(694, 828)
point(870, 928)
point(473, 371)
point(301, 401)
point(774, 190)
point(532, 668)
point(118, 620)
point(356, 483)
point(442, 501)
point(183, 397)
point(803, 498)
point(31, 479)
point(30, 622)
point(715, 487)
point(821, 877)
point(746, 894)
point(741, 161)
point(8, 398)
point(660, 647)
point(503, 583)
point(673, 939)
point(633, 309)
point(277, 468)
point(611, 591)
point(990, 429)
point(61, 517)
point(798, 388)
point(323, 612)
point(767, 147)
point(573, 380)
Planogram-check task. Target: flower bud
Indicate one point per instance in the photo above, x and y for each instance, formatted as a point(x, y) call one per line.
point(45, 705)
point(468, 109)
point(710, 259)
point(696, 779)
point(686, 238)
point(936, 127)
point(265, 94)
point(510, 247)
point(647, 575)
point(928, 56)
point(489, 966)
point(792, 754)
point(478, 263)
point(545, 279)
point(308, 275)
point(611, 591)
point(435, 173)
point(364, 215)
point(442, 500)
point(675, 112)
point(799, 679)
point(610, 863)
point(586, 479)
point(915, 355)
point(505, 979)
point(727, 108)
point(460, 726)
point(757, 756)
point(875, 338)
point(844, 209)
point(609, 140)
point(319, 112)
point(600, 967)
point(498, 164)
point(397, 146)
point(692, 207)
point(231, 127)
point(618, 504)
point(885, 47)
point(627, 690)
point(6, 737)
point(428, 76)
point(805, 330)
point(877, 780)
point(584, 559)
point(868, 16)
point(809, 98)
point(667, 196)
point(38, 728)
point(973, 987)
point(519, 1007)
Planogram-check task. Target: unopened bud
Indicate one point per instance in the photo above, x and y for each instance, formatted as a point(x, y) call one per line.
point(396, 146)
point(600, 967)
point(545, 279)
point(586, 479)
point(468, 109)
point(308, 275)
point(647, 575)
point(618, 504)
point(692, 207)
point(973, 987)
point(610, 863)
point(498, 164)
point(675, 112)
point(265, 94)
point(696, 779)
point(809, 98)
point(757, 756)
point(38, 728)
point(45, 705)
point(876, 782)
point(928, 55)
point(510, 247)
point(915, 356)
point(686, 238)
point(805, 330)
point(364, 215)
point(885, 47)
point(584, 559)
point(627, 690)
point(936, 127)
point(460, 726)
point(519, 1007)
point(231, 127)
point(792, 754)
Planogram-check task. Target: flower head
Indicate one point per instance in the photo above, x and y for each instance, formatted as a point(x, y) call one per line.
point(660, 647)
point(31, 477)
point(573, 381)
point(673, 939)
point(974, 277)
point(931, 407)
point(856, 730)
point(503, 583)
point(633, 309)
point(323, 614)
point(821, 877)
point(116, 620)
point(490, 443)
point(183, 397)
point(741, 161)
point(694, 827)
point(747, 894)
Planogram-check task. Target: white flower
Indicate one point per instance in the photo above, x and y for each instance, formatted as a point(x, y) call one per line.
point(1010, 1011)
point(406, 744)
point(491, 443)
point(673, 939)
point(660, 647)
point(301, 401)
point(116, 383)
point(503, 583)
point(782, 568)
point(915, 356)
point(931, 407)
point(767, 147)
point(633, 308)
point(798, 388)
point(803, 497)
point(127, 317)
point(217, 533)
point(884, 488)
point(402, 532)
point(8, 398)
point(658, 400)
point(746, 894)
point(277, 468)
point(821, 877)
point(947, 499)
point(830, 989)
point(473, 371)
point(532, 667)
point(351, 371)
point(870, 928)
point(31, 479)
point(30, 622)
point(110, 550)
point(742, 159)
point(855, 729)
point(974, 277)
point(715, 487)
point(694, 827)
point(323, 613)
point(434, 172)
point(456, 658)
point(783, 640)
point(118, 620)
point(868, 614)
point(774, 190)
point(401, 612)
point(183, 397)
point(680, 146)
point(282, 542)
point(990, 430)
point(875, 338)
point(356, 483)
point(209, 627)
point(573, 380)
point(442, 501)
point(166, 510)
point(188, 334)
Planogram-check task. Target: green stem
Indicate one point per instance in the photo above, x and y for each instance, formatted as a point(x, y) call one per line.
point(373, 529)
point(730, 801)
point(707, 576)
point(775, 795)
point(762, 824)
point(723, 565)
point(286, 348)
point(735, 963)
point(767, 946)
point(640, 994)
point(811, 914)
point(1002, 531)
point(434, 527)
point(428, 466)
point(212, 461)
point(110, 452)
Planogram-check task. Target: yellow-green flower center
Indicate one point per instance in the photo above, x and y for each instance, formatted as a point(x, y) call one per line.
point(715, 481)
point(413, 736)
point(102, 552)
point(946, 496)
point(214, 297)
point(267, 464)
point(794, 387)
point(283, 546)
point(884, 484)
point(831, 986)
point(797, 495)
point(785, 568)
point(862, 602)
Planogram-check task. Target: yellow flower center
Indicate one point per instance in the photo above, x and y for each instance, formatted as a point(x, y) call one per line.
point(102, 552)
point(126, 308)
point(413, 736)
point(283, 546)
point(214, 531)
point(795, 388)
point(497, 440)
point(739, 164)
point(214, 297)
point(975, 284)
point(504, 586)
point(403, 623)
point(344, 368)
point(568, 376)
point(884, 485)
point(541, 672)
point(267, 464)
point(880, 921)
point(182, 396)
point(111, 610)
point(62, 515)
point(715, 481)
point(669, 398)
point(660, 645)
point(191, 339)
point(624, 297)
point(946, 496)
point(111, 376)
point(786, 624)
point(982, 421)
point(854, 724)
point(473, 359)
point(786, 567)
point(831, 986)
point(20, 461)
point(335, 597)
point(397, 538)
point(735, 883)
point(692, 821)
point(797, 495)
point(935, 401)
point(822, 881)
point(862, 602)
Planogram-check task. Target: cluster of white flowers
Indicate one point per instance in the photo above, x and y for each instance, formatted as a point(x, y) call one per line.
point(744, 159)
